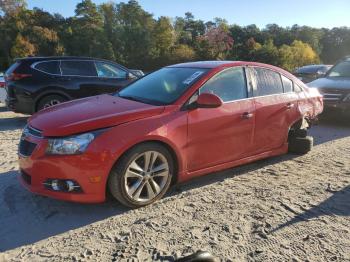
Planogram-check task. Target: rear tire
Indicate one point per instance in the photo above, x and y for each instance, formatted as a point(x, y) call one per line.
point(136, 184)
point(49, 101)
point(300, 145)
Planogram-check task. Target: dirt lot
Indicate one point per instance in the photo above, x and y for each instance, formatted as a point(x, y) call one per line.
point(288, 208)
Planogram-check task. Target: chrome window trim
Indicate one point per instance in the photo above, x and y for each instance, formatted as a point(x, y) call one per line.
point(47, 61)
point(246, 73)
point(255, 97)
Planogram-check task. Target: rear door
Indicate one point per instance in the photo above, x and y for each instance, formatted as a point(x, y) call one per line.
point(112, 78)
point(292, 98)
point(224, 134)
point(272, 109)
point(80, 77)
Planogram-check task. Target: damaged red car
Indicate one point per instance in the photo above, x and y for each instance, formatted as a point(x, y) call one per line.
point(172, 125)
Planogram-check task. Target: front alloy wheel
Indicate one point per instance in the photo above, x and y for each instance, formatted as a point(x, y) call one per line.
point(142, 176)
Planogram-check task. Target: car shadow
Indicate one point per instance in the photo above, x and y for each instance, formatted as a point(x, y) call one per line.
point(338, 204)
point(330, 129)
point(27, 218)
point(3, 108)
point(12, 123)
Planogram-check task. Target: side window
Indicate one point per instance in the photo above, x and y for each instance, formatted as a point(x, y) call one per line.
point(287, 84)
point(268, 82)
point(229, 85)
point(50, 67)
point(297, 88)
point(78, 68)
point(109, 71)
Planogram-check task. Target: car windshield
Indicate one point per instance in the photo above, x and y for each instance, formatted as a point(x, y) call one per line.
point(164, 86)
point(340, 70)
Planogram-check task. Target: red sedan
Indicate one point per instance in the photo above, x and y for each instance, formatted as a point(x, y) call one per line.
point(177, 123)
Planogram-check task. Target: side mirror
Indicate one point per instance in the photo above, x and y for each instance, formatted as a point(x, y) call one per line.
point(207, 100)
point(320, 73)
point(131, 76)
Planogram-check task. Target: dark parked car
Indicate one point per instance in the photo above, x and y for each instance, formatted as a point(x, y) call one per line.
point(2, 88)
point(335, 87)
point(35, 83)
point(311, 72)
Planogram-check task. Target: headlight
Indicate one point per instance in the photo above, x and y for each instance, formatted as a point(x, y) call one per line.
point(70, 145)
point(347, 98)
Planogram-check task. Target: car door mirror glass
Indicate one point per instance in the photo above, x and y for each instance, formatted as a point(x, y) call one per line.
point(131, 76)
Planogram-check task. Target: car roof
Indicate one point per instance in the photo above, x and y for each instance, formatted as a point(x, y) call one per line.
point(34, 59)
point(223, 64)
point(47, 58)
point(312, 68)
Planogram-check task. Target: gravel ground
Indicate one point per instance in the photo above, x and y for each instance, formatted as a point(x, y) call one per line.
point(287, 208)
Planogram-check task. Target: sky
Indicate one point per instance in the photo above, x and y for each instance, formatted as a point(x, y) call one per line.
point(316, 13)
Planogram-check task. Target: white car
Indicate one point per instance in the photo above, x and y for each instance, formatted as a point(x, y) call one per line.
point(2, 90)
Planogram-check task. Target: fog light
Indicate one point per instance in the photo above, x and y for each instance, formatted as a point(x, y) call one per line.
point(60, 185)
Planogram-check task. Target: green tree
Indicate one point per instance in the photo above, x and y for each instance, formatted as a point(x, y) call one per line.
point(336, 44)
point(267, 53)
point(85, 35)
point(181, 53)
point(134, 29)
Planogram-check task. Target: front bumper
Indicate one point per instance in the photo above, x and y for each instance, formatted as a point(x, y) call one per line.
point(88, 170)
point(24, 106)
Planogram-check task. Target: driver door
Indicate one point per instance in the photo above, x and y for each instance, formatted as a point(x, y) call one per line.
point(223, 134)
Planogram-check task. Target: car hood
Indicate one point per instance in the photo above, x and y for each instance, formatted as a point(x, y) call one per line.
point(89, 114)
point(336, 83)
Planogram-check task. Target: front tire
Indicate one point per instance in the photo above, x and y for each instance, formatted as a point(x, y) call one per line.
point(142, 175)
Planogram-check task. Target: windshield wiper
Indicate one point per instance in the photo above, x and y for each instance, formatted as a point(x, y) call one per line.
point(132, 98)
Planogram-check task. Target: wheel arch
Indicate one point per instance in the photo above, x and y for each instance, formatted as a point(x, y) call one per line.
point(297, 124)
point(49, 92)
point(171, 148)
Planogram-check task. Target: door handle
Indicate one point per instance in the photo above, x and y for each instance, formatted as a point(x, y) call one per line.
point(247, 115)
point(290, 106)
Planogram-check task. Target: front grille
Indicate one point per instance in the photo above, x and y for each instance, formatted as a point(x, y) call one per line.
point(27, 178)
point(34, 132)
point(26, 148)
point(332, 97)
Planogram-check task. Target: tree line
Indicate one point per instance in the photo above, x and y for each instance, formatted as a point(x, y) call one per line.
point(127, 34)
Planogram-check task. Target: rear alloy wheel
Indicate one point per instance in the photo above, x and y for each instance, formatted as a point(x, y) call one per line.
point(142, 176)
point(50, 101)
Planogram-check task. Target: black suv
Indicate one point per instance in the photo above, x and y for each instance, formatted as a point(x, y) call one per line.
point(335, 87)
point(35, 83)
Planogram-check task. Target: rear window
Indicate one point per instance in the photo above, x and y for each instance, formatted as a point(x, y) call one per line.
point(12, 68)
point(78, 68)
point(50, 67)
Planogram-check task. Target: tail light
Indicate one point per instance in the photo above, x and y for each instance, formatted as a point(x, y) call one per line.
point(16, 76)
point(2, 84)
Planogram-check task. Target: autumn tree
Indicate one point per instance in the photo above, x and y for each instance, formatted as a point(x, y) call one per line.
point(22, 48)
point(297, 55)
point(215, 44)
